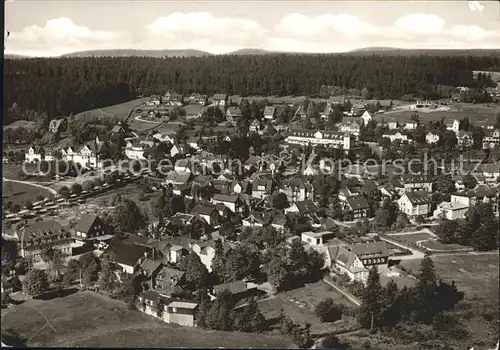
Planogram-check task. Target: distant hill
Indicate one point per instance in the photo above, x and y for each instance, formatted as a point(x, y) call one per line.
point(389, 51)
point(14, 57)
point(128, 53)
point(250, 52)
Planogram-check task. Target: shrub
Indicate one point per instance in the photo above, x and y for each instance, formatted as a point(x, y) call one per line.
point(327, 311)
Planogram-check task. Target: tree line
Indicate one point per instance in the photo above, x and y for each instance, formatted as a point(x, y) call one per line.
point(64, 85)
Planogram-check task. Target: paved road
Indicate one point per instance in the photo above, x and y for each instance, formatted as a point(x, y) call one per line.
point(146, 121)
point(32, 184)
point(415, 254)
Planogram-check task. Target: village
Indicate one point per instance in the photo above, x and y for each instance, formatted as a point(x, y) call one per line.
point(168, 213)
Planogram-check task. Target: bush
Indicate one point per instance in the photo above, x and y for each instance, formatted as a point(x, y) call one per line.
point(76, 188)
point(327, 311)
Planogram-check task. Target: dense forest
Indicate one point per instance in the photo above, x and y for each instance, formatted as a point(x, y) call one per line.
point(70, 85)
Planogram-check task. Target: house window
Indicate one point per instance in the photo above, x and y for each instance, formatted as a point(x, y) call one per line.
point(174, 309)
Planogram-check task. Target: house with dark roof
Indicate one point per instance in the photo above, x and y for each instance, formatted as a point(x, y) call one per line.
point(356, 207)
point(36, 236)
point(344, 262)
point(371, 253)
point(219, 99)
point(262, 188)
point(279, 222)
point(306, 207)
point(170, 281)
point(128, 256)
point(415, 203)
point(257, 219)
point(207, 212)
point(89, 227)
point(232, 202)
point(238, 290)
point(233, 113)
point(120, 128)
point(296, 190)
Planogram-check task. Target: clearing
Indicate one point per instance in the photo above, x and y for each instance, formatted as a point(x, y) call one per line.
point(299, 304)
point(18, 193)
point(103, 322)
point(477, 114)
point(475, 274)
point(120, 111)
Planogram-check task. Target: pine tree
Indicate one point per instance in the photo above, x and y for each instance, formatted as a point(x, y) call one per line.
point(425, 291)
point(218, 261)
point(371, 307)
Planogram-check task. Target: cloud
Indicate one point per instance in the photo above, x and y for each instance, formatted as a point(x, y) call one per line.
point(61, 35)
point(203, 29)
point(293, 32)
point(341, 32)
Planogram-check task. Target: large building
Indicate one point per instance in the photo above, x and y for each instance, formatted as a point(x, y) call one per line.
point(492, 139)
point(320, 137)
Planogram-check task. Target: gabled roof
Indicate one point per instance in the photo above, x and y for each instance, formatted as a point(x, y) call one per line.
point(233, 287)
point(126, 253)
point(203, 209)
point(357, 202)
point(169, 274)
point(86, 221)
point(371, 248)
point(306, 206)
point(225, 198)
point(341, 256)
point(300, 110)
point(37, 149)
point(418, 197)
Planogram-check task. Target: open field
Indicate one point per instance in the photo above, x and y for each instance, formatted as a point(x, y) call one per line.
point(193, 109)
point(130, 191)
point(21, 192)
point(477, 113)
point(474, 274)
point(86, 319)
point(299, 304)
point(435, 245)
point(411, 238)
point(119, 111)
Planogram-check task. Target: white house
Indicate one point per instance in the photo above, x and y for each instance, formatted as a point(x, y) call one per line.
point(320, 137)
point(411, 125)
point(316, 238)
point(455, 126)
point(492, 139)
point(366, 118)
point(415, 203)
point(450, 211)
point(134, 149)
point(393, 136)
point(431, 138)
point(34, 154)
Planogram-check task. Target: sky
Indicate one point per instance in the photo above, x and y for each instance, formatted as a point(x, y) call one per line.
point(52, 28)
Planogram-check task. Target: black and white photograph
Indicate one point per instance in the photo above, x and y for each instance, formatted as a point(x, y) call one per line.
point(251, 174)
